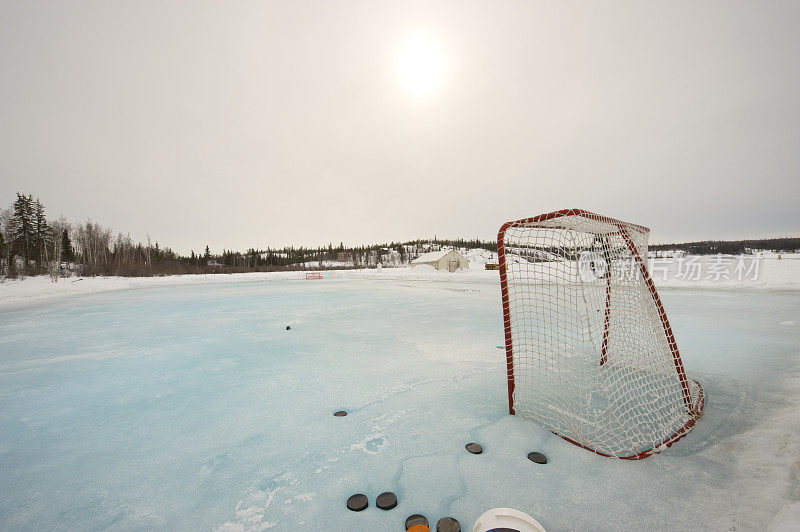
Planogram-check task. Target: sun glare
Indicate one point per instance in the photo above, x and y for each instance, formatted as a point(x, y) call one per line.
point(419, 64)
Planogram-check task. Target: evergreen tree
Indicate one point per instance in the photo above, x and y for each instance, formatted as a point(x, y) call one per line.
point(22, 226)
point(67, 255)
point(42, 234)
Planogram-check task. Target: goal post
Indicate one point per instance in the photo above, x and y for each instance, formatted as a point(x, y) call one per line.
point(590, 353)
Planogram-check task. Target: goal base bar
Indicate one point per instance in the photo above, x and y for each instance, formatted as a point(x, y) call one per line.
point(677, 435)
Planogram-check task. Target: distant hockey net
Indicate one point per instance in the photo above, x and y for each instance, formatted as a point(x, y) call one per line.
point(589, 350)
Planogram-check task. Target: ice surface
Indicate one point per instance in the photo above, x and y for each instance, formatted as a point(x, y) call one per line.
point(191, 407)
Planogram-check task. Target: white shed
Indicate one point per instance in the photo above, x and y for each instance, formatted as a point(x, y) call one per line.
point(446, 259)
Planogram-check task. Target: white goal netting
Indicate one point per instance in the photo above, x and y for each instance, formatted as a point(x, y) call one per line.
point(590, 352)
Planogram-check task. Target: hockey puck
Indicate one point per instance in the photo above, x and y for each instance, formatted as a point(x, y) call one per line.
point(416, 519)
point(539, 458)
point(474, 448)
point(386, 501)
point(340, 413)
point(288, 328)
point(448, 524)
point(357, 502)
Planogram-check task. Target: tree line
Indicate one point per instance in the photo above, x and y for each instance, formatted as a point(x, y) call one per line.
point(731, 247)
point(30, 244)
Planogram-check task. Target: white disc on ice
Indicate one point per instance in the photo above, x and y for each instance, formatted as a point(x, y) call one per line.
point(507, 518)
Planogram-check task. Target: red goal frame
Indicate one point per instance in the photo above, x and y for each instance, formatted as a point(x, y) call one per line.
point(694, 411)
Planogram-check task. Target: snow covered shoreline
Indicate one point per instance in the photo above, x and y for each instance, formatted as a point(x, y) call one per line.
point(701, 272)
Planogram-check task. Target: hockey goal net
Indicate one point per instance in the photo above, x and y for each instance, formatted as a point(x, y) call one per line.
point(589, 350)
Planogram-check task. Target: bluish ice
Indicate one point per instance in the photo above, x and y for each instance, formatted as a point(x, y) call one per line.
point(193, 408)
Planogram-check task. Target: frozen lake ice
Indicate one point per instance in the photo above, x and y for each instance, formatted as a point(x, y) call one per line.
point(192, 407)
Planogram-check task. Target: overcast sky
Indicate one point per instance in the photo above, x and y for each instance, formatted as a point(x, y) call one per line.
point(253, 124)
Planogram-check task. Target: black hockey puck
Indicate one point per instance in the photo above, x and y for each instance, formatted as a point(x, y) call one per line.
point(340, 413)
point(386, 501)
point(288, 328)
point(539, 458)
point(448, 524)
point(416, 519)
point(474, 448)
point(357, 502)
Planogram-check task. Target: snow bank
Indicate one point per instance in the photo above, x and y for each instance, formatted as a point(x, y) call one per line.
point(698, 272)
point(727, 271)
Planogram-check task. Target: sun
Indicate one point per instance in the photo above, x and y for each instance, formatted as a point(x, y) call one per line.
point(419, 65)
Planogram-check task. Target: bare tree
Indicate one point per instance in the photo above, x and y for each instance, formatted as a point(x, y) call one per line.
point(59, 228)
point(5, 250)
point(149, 263)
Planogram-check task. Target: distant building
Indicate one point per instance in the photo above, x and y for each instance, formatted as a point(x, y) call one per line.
point(446, 259)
